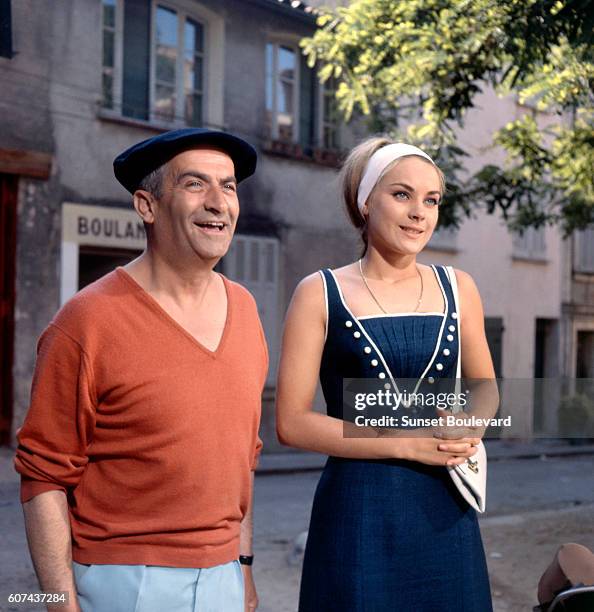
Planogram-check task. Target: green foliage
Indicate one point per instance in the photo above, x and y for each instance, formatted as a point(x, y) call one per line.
point(415, 67)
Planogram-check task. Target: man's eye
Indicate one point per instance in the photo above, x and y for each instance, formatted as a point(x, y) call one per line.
point(230, 186)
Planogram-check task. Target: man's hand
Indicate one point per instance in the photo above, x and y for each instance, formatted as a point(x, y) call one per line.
point(249, 589)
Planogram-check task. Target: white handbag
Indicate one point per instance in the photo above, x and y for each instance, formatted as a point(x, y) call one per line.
point(470, 478)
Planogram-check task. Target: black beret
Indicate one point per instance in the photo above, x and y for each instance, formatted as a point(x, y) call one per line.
point(131, 166)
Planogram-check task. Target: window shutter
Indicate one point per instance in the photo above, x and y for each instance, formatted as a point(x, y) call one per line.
point(494, 332)
point(253, 262)
point(307, 105)
point(584, 259)
point(5, 29)
point(137, 32)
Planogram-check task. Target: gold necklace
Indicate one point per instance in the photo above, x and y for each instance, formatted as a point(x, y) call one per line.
point(376, 300)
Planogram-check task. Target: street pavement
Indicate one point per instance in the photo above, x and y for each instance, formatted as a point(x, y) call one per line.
point(534, 505)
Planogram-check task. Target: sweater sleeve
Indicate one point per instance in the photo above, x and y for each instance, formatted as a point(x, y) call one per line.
point(257, 452)
point(265, 366)
point(58, 428)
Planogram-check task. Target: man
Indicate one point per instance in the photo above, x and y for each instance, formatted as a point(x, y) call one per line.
point(141, 438)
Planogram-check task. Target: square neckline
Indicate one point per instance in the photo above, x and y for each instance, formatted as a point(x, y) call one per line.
point(395, 314)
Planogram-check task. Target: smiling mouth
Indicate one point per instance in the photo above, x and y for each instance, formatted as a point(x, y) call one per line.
point(211, 226)
point(410, 230)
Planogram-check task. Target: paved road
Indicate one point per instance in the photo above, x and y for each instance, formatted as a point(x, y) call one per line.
point(534, 505)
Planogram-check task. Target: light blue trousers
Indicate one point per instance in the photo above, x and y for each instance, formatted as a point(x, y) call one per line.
point(150, 588)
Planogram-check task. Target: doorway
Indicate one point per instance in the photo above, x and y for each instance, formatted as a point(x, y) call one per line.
point(95, 262)
point(8, 226)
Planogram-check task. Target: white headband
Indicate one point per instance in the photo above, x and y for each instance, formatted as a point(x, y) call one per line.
point(377, 164)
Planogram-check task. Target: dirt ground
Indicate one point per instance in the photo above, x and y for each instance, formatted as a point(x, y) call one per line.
point(520, 547)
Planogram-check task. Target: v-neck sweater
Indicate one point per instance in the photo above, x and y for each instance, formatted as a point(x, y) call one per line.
point(151, 435)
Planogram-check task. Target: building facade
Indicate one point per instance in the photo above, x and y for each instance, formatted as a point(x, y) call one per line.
point(82, 80)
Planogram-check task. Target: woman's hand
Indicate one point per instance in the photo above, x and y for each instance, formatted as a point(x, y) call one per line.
point(433, 451)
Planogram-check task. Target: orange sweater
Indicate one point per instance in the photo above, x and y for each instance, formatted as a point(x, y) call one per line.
point(151, 435)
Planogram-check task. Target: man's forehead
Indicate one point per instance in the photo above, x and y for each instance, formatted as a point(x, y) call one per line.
point(206, 154)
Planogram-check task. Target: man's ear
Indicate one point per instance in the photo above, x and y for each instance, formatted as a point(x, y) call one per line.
point(144, 204)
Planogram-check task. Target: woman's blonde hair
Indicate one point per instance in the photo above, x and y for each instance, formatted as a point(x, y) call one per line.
point(352, 173)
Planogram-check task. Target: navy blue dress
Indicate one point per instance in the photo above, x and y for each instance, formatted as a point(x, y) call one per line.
point(390, 535)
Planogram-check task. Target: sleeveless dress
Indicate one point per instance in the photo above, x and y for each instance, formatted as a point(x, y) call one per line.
point(390, 535)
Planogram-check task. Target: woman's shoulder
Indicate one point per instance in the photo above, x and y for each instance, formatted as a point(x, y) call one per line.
point(468, 291)
point(310, 290)
point(315, 281)
point(464, 280)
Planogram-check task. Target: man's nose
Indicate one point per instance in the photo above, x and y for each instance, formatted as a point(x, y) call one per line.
point(215, 199)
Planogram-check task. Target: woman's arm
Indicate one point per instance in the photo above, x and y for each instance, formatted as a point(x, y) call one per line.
point(299, 426)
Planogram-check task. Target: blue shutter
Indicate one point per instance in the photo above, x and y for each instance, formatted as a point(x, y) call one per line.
point(494, 332)
point(5, 29)
point(307, 106)
point(137, 44)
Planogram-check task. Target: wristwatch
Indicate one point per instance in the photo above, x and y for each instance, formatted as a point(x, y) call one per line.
point(246, 559)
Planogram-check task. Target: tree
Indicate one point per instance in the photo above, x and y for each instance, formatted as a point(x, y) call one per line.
point(415, 68)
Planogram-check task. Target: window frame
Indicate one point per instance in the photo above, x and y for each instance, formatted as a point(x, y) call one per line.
point(580, 243)
point(213, 25)
point(278, 42)
point(523, 247)
point(118, 59)
point(182, 13)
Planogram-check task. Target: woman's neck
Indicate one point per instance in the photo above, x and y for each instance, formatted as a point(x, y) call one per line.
point(388, 268)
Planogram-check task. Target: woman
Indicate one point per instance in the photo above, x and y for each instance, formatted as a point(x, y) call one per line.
point(389, 531)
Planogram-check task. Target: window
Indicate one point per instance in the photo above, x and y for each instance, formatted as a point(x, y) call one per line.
point(281, 91)
point(5, 29)
point(179, 57)
point(253, 261)
point(157, 58)
point(301, 115)
point(584, 251)
point(530, 245)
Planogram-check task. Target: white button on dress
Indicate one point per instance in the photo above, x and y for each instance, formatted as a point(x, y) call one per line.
point(449, 337)
point(349, 323)
point(367, 350)
point(357, 334)
point(452, 328)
